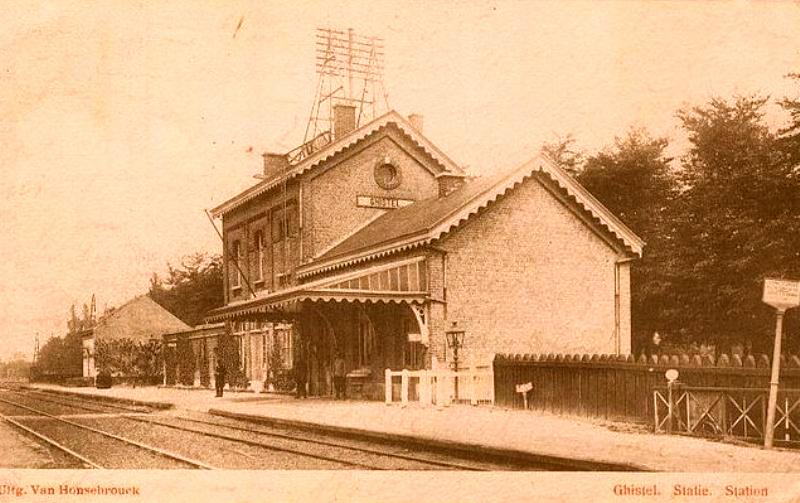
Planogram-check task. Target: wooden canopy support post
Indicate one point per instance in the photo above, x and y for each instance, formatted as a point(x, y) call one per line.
point(422, 321)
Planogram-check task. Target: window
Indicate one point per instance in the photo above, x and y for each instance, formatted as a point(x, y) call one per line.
point(387, 175)
point(236, 253)
point(277, 225)
point(366, 341)
point(259, 242)
point(283, 338)
point(292, 224)
point(413, 350)
point(285, 221)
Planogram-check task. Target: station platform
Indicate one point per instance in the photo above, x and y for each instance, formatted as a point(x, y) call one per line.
point(477, 427)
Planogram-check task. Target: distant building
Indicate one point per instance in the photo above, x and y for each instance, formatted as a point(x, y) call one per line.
point(139, 319)
point(374, 243)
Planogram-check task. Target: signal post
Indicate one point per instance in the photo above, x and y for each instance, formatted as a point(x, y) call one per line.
point(782, 295)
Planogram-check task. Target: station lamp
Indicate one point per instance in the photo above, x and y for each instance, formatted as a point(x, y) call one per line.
point(455, 340)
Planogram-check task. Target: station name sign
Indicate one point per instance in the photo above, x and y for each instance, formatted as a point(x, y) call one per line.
point(386, 203)
point(781, 293)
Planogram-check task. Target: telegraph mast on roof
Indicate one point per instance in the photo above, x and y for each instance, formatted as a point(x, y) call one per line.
point(350, 72)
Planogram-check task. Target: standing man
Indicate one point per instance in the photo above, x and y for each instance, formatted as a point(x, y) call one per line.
point(654, 347)
point(300, 376)
point(339, 375)
point(219, 372)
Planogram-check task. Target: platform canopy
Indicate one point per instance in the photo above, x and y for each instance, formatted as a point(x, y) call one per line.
point(401, 281)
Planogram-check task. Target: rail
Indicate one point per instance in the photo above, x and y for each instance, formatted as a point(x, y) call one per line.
point(440, 387)
point(155, 450)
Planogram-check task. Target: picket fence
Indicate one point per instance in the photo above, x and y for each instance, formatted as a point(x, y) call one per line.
point(620, 388)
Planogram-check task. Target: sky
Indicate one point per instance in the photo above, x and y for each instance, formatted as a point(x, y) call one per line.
point(120, 122)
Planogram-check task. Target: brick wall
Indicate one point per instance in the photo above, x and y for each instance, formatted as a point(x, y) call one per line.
point(330, 211)
point(242, 224)
point(529, 276)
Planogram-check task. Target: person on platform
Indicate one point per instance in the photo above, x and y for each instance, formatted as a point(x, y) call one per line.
point(219, 372)
point(339, 374)
point(300, 377)
point(654, 346)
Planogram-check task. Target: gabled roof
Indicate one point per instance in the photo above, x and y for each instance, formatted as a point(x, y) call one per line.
point(139, 318)
point(336, 147)
point(427, 220)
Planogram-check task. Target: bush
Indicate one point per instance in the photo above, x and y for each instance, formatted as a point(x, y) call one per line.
point(103, 380)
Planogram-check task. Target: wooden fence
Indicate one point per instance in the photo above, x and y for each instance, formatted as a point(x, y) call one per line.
point(621, 388)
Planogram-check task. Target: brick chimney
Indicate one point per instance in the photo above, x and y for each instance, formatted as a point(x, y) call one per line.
point(344, 120)
point(274, 164)
point(448, 183)
point(416, 121)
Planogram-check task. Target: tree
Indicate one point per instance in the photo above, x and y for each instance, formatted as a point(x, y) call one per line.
point(191, 290)
point(61, 357)
point(737, 221)
point(634, 180)
point(564, 153)
point(789, 139)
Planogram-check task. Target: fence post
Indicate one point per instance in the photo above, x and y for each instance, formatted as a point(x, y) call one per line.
point(424, 388)
point(670, 407)
point(473, 392)
point(387, 393)
point(404, 387)
point(441, 389)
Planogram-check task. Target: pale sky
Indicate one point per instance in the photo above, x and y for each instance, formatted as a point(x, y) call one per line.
point(121, 121)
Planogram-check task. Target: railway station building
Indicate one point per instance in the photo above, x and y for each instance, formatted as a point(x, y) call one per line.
point(370, 242)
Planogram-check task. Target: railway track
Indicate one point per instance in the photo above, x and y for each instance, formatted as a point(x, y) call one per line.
point(117, 443)
point(342, 454)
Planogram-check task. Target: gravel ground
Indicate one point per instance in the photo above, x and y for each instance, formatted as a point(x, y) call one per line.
point(107, 452)
point(264, 432)
point(22, 451)
point(232, 454)
point(48, 407)
point(301, 452)
point(216, 452)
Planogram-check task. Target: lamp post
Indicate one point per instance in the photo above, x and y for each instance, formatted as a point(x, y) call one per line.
point(455, 340)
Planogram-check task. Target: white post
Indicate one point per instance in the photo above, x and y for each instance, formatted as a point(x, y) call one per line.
point(769, 431)
point(491, 386)
point(388, 391)
point(424, 388)
point(404, 387)
point(473, 388)
point(441, 388)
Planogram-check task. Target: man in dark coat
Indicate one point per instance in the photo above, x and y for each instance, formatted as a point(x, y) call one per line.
point(219, 372)
point(300, 372)
point(339, 376)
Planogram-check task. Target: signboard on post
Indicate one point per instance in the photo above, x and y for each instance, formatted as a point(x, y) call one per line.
point(523, 389)
point(781, 294)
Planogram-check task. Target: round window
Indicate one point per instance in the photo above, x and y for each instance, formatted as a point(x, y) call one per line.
point(387, 175)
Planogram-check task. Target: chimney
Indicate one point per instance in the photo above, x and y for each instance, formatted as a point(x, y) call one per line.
point(344, 120)
point(274, 164)
point(416, 121)
point(449, 183)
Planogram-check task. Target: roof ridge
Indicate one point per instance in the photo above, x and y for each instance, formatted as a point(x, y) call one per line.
point(337, 146)
point(495, 187)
